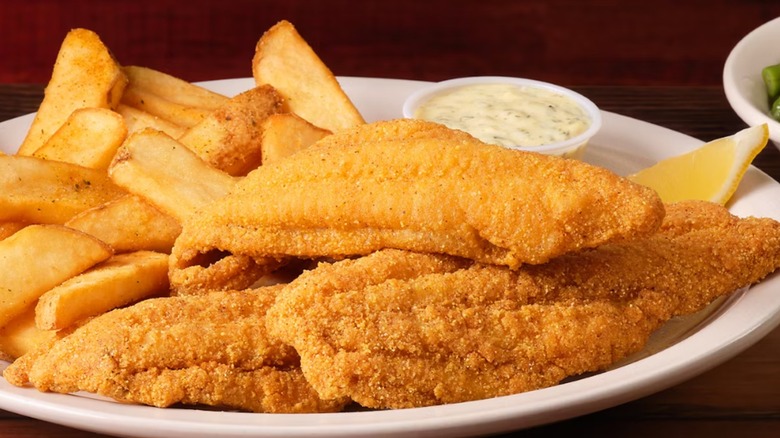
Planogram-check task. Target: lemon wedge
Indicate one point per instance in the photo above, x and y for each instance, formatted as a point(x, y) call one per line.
point(711, 172)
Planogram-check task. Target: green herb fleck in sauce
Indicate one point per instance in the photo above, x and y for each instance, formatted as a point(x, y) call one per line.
point(508, 115)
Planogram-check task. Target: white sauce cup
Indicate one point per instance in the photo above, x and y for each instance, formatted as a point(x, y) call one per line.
point(572, 147)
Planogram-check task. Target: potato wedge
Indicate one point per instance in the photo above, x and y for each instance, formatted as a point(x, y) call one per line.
point(166, 173)
point(42, 191)
point(173, 89)
point(284, 60)
point(21, 336)
point(230, 137)
point(287, 133)
point(85, 75)
point(138, 120)
point(39, 257)
point(89, 138)
point(121, 280)
point(128, 223)
point(169, 98)
point(183, 115)
point(7, 229)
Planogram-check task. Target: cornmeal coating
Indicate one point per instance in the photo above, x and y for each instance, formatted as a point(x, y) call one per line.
point(430, 337)
point(412, 185)
point(201, 350)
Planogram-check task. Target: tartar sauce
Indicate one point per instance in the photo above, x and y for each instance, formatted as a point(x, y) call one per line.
point(507, 115)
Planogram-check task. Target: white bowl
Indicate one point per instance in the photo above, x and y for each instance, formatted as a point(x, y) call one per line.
point(572, 147)
point(742, 82)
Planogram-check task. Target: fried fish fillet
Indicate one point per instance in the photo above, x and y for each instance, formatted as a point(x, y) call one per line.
point(389, 331)
point(199, 350)
point(413, 185)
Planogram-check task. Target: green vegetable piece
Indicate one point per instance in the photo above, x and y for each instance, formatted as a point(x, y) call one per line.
point(775, 109)
point(771, 76)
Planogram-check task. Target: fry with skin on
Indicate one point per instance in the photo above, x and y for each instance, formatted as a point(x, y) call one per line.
point(39, 257)
point(170, 98)
point(172, 88)
point(186, 116)
point(20, 336)
point(284, 60)
point(89, 138)
point(9, 228)
point(161, 170)
point(85, 75)
point(138, 120)
point(43, 191)
point(129, 223)
point(287, 133)
point(120, 280)
point(230, 137)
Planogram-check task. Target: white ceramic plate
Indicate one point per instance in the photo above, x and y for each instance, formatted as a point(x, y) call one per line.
point(682, 349)
point(745, 90)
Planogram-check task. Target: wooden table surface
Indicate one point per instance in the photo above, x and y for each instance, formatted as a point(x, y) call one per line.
point(739, 397)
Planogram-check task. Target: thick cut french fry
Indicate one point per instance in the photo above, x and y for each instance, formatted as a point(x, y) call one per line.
point(121, 280)
point(287, 133)
point(145, 100)
point(39, 257)
point(284, 60)
point(42, 191)
point(129, 223)
point(230, 137)
point(89, 138)
point(173, 89)
point(166, 173)
point(85, 75)
point(21, 336)
point(9, 228)
point(138, 120)
point(168, 97)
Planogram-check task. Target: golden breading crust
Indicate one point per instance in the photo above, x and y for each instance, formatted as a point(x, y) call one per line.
point(209, 350)
point(413, 185)
point(389, 332)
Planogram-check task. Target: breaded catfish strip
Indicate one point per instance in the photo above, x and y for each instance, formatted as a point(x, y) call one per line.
point(208, 350)
point(413, 185)
point(486, 331)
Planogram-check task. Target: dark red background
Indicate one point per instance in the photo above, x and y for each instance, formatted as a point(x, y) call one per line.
point(659, 42)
